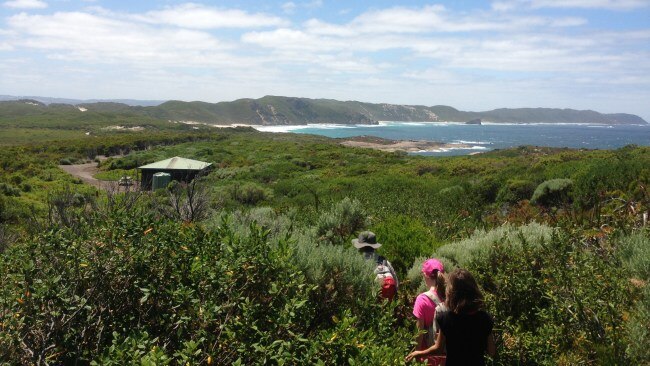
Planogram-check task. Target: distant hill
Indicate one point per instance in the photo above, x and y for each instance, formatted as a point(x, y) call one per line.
point(275, 110)
point(48, 100)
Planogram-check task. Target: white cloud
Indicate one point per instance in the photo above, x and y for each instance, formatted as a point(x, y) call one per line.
point(25, 4)
point(197, 16)
point(289, 7)
point(91, 38)
point(590, 4)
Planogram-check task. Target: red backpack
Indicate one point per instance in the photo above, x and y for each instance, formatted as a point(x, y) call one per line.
point(388, 288)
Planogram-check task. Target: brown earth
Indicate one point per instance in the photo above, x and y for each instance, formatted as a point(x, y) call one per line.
point(85, 172)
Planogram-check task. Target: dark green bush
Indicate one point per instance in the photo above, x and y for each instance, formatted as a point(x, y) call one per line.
point(249, 193)
point(553, 192)
point(403, 240)
point(178, 294)
point(9, 190)
point(516, 190)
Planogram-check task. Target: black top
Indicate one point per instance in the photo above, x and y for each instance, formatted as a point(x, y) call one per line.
point(466, 336)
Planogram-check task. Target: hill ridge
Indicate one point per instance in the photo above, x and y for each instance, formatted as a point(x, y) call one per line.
point(281, 110)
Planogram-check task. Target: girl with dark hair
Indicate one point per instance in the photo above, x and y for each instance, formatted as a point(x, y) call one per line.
point(465, 329)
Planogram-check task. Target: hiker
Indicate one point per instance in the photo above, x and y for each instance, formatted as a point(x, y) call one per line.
point(427, 305)
point(366, 243)
point(465, 328)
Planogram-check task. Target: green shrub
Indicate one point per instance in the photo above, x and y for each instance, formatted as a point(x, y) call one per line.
point(177, 294)
point(552, 192)
point(342, 221)
point(65, 161)
point(638, 332)
point(635, 255)
point(26, 187)
point(9, 190)
point(249, 193)
point(403, 239)
point(552, 300)
point(478, 245)
point(516, 190)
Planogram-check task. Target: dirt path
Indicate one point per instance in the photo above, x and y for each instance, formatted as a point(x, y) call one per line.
point(85, 172)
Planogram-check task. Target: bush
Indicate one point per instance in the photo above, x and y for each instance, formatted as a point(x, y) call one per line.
point(516, 190)
point(177, 294)
point(552, 192)
point(404, 239)
point(635, 255)
point(26, 187)
point(553, 301)
point(343, 220)
point(65, 161)
point(249, 193)
point(9, 190)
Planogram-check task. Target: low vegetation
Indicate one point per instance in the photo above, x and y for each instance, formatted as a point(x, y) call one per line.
point(264, 272)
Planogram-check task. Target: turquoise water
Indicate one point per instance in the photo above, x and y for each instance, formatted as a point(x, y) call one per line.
point(488, 136)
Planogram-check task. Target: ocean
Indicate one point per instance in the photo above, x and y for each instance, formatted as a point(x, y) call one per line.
point(487, 136)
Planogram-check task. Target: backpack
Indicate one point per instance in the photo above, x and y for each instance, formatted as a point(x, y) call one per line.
point(388, 288)
point(386, 278)
point(432, 329)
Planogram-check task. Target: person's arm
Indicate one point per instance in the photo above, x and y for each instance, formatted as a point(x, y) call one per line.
point(421, 335)
point(435, 349)
point(491, 347)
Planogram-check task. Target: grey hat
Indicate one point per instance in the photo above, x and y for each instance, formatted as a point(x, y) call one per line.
point(366, 239)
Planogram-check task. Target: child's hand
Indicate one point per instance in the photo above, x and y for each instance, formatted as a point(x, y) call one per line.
point(412, 354)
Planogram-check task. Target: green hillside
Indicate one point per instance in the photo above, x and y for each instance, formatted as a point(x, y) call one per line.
point(275, 110)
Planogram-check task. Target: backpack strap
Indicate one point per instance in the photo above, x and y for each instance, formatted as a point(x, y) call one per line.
point(433, 297)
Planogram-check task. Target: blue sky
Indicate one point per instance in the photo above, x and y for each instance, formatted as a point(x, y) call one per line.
point(473, 55)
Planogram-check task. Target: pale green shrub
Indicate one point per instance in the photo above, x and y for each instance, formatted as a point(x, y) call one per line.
point(342, 221)
point(461, 253)
point(635, 253)
point(476, 246)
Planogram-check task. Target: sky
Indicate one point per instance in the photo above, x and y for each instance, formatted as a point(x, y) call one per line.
point(472, 55)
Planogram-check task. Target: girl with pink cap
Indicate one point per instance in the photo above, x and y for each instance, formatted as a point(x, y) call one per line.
point(426, 305)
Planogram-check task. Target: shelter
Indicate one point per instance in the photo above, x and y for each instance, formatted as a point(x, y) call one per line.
point(180, 169)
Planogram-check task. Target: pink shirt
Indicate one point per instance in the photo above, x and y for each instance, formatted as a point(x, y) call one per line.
point(424, 309)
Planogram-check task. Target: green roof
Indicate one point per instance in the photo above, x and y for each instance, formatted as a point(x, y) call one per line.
point(177, 163)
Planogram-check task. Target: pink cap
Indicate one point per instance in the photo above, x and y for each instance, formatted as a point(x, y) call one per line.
point(431, 265)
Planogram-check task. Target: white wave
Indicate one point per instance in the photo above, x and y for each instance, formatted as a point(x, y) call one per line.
point(328, 126)
point(419, 123)
point(588, 124)
point(450, 147)
point(472, 142)
point(279, 128)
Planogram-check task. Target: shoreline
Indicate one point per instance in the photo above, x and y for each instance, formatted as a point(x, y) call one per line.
point(408, 146)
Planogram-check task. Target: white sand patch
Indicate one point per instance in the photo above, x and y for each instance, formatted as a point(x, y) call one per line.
point(120, 128)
